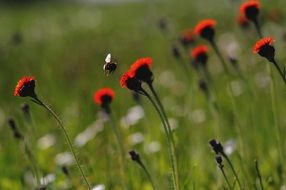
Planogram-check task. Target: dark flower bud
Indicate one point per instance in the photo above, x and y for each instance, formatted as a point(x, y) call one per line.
point(216, 146)
point(14, 128)
point(162, 24)
point(232, 60)
point(65, 170)
point(134, 156)
point(203, 86)
point(218, 159)
point(26, 111)
point(176, 52)
point(16, 38)
point(12, 124)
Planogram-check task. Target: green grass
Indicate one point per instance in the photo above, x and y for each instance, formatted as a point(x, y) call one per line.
point(64, 47)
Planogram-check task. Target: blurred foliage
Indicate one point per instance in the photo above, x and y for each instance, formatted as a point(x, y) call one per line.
point(64, 46)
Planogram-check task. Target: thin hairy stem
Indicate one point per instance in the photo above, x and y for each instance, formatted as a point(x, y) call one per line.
point(33, 162)
point(67, 138)
point(214, 45)
point(174, 159)
point(258, 174)
point(121, 150)
point(280, 71)
point(118, 138)
point(171, 149)
point(157, 99)
point(225, 177)
point(206, 74)
point(233, 170)
point(141, 164)
point(275, 114)
point(257, 28)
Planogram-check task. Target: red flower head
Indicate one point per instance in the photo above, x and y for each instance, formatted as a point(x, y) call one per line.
point(140, 69)
point(199, 54)
point(205, 29)
point(25, 87)
point(128, 81)
point(242, 21)
point(104, 96)
point(187, 37)
point(250, 9)
point(264, 48)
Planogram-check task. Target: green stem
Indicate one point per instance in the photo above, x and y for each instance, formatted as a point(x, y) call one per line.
point(239, 126)
point(174, 159)
point(258, 174)
point(275, 114)
point(214, 109)
point(185, 68)
point(157, 99)
point(121, 150)
point(257, 27)
point(214, 45)
point(118, 138)
point(33, 162)
point(67, 138)
point(171, 149)
point(147, 173)
point(225, 177)
point(206, 74)
point(233, 170)
point(280, 71)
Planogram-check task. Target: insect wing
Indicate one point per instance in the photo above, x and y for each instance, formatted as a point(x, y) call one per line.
point(108, 58)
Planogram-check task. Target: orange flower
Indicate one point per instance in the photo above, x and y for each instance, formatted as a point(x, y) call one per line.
point(250, 9)
point(262, 43)
point(128, 81)
point(140, 69)
point(199, 50)
point(199, 55)
point(265, 49)
point(187, 37)
point(104, 96)
point(204, 24)
point(25, 87)
point(242, 21)
point(142, 62)
point(205, 29)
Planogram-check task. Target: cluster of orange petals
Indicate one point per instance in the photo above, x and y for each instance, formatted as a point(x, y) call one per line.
point(124, 78)
point(207, 23)
point(242, 20)
point(21, 83)
point(249, 4)
point(101, 93)
point(202, 49)
point(130, 74)
point(188, 35)
point(262, 43)
point(145, 61)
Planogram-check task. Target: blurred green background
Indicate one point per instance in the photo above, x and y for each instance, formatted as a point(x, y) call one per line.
point(64, 44)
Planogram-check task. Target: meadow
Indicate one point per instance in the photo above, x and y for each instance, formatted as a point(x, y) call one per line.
point(64, 46)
